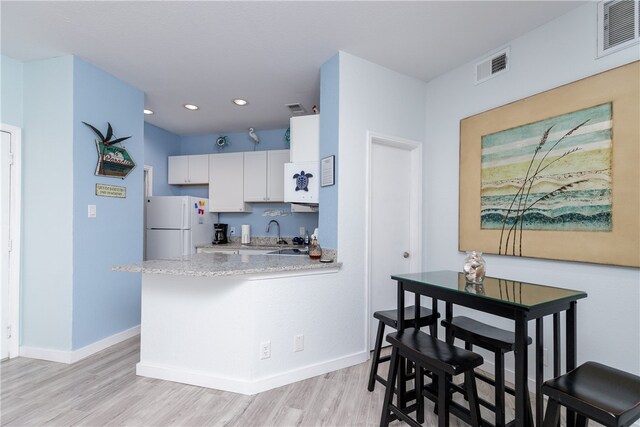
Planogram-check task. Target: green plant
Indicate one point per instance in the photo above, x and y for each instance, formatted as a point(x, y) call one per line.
point(106, 139)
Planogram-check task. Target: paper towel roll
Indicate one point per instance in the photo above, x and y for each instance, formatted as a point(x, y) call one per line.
point(246, 234)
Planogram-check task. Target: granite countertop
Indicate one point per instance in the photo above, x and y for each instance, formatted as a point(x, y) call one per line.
point(216, 264)
point(257, 243)
point(237, 245)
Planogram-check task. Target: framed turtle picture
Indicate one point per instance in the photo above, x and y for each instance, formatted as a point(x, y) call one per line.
point(556, 175)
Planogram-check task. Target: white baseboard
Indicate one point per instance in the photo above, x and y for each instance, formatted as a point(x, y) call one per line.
point(74, 356)
point(204, 379)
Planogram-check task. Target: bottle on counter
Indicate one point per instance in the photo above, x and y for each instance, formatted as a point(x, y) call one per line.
point(315, 251)
point(306, 239)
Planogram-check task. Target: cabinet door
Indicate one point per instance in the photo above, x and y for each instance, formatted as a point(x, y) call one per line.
point(255, 176)
point(226, 183)
point(305, 138)
point(199, 169)
point(275, 174)
point(178, 170)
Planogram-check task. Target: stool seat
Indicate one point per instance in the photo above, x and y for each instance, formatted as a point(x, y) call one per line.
point(479, 333)
point(442, 356)
point(604, 394)
point(390, 317)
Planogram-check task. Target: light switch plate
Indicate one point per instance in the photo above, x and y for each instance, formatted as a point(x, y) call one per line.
point(91, 211)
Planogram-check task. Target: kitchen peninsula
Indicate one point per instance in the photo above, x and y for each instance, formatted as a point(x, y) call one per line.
point(230, 321)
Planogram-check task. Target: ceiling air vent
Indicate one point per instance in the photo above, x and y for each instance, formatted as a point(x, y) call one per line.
point(296, 109)
point(618, 25)
point(492, 66)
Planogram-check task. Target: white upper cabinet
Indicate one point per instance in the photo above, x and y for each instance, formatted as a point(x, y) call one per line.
point(264, 175)
point(305, 138)
point(226, 183)
point(186, 170)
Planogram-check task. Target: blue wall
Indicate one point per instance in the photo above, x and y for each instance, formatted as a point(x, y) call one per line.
point(11, 92)
point(47, 202)
point(105, 302)
point(329, 135)
point(158, 144)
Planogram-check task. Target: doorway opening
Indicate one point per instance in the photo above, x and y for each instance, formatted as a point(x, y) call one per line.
point(394, 219)
point(10, 239)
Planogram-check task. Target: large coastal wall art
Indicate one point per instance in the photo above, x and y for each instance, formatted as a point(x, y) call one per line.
point(556, 175)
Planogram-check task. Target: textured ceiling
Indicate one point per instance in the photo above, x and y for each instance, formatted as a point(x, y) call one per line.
point(209, 52)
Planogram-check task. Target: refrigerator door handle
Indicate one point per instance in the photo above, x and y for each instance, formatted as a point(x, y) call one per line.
point(184, 214)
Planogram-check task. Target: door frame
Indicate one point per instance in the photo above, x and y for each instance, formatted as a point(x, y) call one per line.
point(415, 245)
point(15, 232)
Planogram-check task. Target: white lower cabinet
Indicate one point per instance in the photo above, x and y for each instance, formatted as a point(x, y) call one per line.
point(264, 175)
point(226, 183)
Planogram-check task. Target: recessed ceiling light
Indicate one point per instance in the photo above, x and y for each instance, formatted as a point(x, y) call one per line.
point(239, 101)
point(148, 112)
point(190, 107)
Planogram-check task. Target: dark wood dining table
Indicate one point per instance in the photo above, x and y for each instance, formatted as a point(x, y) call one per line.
point(515, 300)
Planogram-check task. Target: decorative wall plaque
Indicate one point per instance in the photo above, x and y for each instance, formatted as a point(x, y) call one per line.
point(113, 161)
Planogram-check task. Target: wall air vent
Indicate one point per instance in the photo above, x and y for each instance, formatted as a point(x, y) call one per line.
point(495, 64)
point(618, 25)
point(296, 109)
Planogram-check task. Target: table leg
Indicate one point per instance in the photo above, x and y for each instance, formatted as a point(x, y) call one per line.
point(522, 417)
point(539, 368)
point(572, 359)
point(448, 337)
point(417, 312)
point(402, 401)
point(434, 310)
point(557, 352)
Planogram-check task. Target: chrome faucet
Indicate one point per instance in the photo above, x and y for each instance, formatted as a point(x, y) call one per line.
point(280, 241)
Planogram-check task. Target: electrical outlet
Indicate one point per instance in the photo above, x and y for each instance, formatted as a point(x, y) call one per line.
point(265, 349)
point(545, 356)
point(298, 342)
point(232, 230)
point(302, 231)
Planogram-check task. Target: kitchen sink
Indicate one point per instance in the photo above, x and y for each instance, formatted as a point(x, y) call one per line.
point(289, 252)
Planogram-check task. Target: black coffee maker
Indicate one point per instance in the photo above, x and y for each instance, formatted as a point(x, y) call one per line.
point(220, 234)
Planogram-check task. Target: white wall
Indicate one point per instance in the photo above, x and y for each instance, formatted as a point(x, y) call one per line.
point(557, 53)
point(371, 98)
point(47, 203)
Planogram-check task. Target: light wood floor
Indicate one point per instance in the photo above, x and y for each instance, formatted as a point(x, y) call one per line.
point(104, 390)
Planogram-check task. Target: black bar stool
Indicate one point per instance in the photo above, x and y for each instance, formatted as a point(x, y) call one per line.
point(496, 340)
point(390, 318)
point(595, 391)
point(443, 360)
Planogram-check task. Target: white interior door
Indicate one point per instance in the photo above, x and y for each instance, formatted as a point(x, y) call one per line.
point(394, 225)
point(5, 208)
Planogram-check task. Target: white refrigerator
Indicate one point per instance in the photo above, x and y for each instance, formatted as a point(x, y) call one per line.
point(176, 224)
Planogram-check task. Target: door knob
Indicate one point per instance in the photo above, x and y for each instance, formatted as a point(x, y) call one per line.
point(406, 254)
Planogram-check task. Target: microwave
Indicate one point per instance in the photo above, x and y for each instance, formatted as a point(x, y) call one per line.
point(301, 182)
